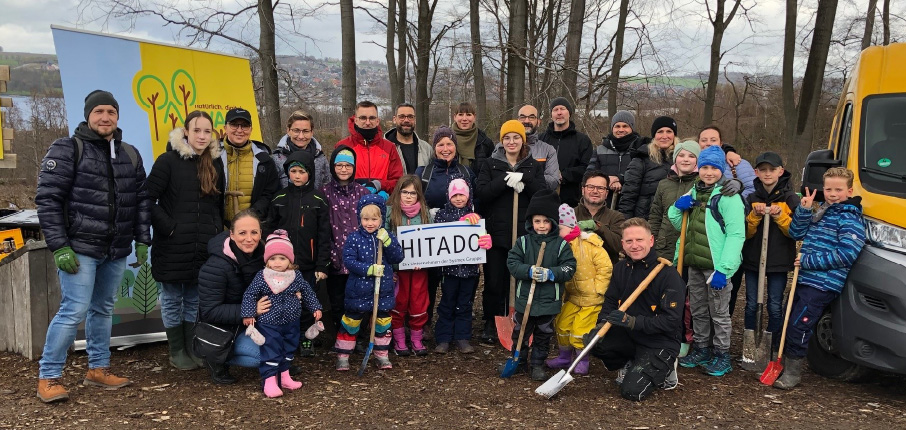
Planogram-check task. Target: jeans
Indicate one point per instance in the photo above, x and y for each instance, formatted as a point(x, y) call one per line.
point(178, 303)
point(88, 295)
point(776, 283)
point(245, 352)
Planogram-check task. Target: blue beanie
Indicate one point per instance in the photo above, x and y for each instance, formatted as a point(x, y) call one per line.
point(344, 156)
point(713, 156)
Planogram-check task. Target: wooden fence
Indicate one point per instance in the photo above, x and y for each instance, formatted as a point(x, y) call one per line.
point(29, 299)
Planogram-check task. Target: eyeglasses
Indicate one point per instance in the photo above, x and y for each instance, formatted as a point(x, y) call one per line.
point(344, 166)
point(595, 188)
point(527, 117)
point(408, 193)
point(296, 131)
point(241, 126)
point(409, 117)
point(367, 118)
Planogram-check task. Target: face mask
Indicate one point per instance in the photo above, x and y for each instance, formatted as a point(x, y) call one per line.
point(367, 133)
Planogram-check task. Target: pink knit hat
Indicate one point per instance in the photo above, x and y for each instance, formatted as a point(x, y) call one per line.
point(458, 186)
point(567, 216)
point(278, 244)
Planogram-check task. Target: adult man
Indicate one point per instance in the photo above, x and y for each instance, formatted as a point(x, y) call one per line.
point(412, 150)
point(472, 144)
point(91, 205)
point(574, 149)
point(378, 165)
point(252, 177)
point(541, 151)
point(612, 156)
point(645, 340)
point(594, 215)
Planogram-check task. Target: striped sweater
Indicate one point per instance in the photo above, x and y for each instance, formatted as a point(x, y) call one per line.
point(831, 243)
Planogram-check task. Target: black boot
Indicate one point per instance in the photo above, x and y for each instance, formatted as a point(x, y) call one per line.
point(188, 330)
point(489, 334)
point(220, 373)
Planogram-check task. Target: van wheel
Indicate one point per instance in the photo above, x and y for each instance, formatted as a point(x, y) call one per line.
point(824, 358)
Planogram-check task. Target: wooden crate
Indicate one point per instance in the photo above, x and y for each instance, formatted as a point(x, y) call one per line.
point(29, 298)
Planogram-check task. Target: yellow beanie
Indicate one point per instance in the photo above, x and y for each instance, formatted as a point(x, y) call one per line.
point(512, 126)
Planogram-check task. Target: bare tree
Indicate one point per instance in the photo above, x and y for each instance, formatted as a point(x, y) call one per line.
point(515, 79)
point(885, 21)
point(347, 26)
point(869, 23)
point(789, 54)
point(719, 19)
point(617, 59)
point(573, 48)
point(402, 31)
point(390, 55)
point(481, 97)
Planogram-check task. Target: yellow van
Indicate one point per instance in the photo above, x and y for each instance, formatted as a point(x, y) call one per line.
point(866, 327)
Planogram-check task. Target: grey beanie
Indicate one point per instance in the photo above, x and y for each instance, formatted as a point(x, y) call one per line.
point(97, 98)
point(562, 101)
point(623, 116)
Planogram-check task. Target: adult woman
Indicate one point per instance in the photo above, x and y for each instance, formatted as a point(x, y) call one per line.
point(442, 168)
point(507, 173)
point(299, 137)
point(235, 257)
point(186, 185)
point(649, 165)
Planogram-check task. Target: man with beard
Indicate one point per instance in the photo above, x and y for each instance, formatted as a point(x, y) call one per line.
point(574, 149)
point(594, 215)
point(413, 151)
point(541, 151)
point(613, 155)
point(378, 164)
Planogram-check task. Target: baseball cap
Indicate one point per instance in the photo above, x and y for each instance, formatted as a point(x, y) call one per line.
point(771, 158)
point(238, 113)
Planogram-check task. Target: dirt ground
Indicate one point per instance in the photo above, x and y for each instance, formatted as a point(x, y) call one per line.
point(438, 391)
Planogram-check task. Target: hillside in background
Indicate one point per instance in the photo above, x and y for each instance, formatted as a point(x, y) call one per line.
point(32, 73)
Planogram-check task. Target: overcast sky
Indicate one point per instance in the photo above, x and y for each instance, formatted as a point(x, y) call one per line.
point(25, 27)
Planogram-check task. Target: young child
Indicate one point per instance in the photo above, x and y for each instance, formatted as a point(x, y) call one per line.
point(584, 292)
point(360, 258)
point(558, 265)
point(833, 235)
point(407, 208)
point(302, 211)
point(454, 322)
point(774, 201)
point(714, 237)
point(283, 286)
point(343, 195)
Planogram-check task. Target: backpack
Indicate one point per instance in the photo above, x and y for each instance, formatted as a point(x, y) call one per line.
point(429, 171)
point(712, 206)
point(80, 145)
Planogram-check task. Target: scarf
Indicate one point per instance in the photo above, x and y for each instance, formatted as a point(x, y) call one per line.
point(466, 140)
point(411, 210)
point(278, 281)
point(367, 133)
point(249, 264)
point(621, 144)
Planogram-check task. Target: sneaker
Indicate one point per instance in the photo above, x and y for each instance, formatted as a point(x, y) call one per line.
point(102, 377)
point(719, 365)
point(464, 346)
point(621, 374)
point(51, 390)
point(538, 373)
point(442, 348)
point(343, 363)
point(306, 349)
point(697, 357)
point(672, 379)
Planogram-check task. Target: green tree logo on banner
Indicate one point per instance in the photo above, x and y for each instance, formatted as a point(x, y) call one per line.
point(174, 100)
point(145, 291)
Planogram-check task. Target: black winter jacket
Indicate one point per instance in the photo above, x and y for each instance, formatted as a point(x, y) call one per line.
point(640, 183)
point(484, 147)
point(222, 282)
point(184, 221)
point(303, 213)
point(267, 178)
point(658, 311)
point(438, 186)
point(781, 247)
point(614, 161)
point(95, 204)
point(574, 150)
point(497, 208)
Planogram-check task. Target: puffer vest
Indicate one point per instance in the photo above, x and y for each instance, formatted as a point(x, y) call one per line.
point(698, 251)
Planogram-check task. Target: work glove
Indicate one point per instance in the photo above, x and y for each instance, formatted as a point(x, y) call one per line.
point(587, 337)
point(141, 253)
point(66, 260)
point(472, 218)
point(731, 187)
point(512, 178)
point(588, 225)
point(484, 241)
point(621, 319)
point(376, 270)
point(383, 236)
point(376, 184)
point(541, 274)
point(684, 203)
point(717, 280)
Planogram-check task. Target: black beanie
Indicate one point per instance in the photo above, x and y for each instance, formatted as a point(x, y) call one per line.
point(97, 98)
point(562, 101)
point(661, 122)
point(544, 202)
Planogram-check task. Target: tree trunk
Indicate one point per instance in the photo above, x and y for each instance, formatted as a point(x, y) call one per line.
point(869, 23)
point(270, 125)
point(515, 80)
point(481, 97)
point(552, 30)
point(422, 62)
point(390, 54)
point(613, 85)
point(402, 49)
point(347, 27)
point(789, 54)
point(813, 79)
point(720, 25)
point(885, 22)
point(573, 47)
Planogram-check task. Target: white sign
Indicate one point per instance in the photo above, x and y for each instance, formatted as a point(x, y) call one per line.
point(442, 244)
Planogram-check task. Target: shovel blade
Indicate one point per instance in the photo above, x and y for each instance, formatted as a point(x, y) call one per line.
point(505, 327)
point(365, 360)
point(553, 385)
point(763, 352)
point(772, 372)
point(509, 368)
point(748, 351)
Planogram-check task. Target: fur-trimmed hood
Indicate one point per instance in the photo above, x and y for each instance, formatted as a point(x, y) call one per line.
point(177, 142)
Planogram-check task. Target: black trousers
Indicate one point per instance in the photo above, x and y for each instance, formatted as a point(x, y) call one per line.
point(541, 330)
point(649, 369)
point(496, 284)
point(336, 291)
point(737, 283)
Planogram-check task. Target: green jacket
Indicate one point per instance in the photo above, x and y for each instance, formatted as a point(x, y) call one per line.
point(668, 191)
point(726, 248)
point(558, 257)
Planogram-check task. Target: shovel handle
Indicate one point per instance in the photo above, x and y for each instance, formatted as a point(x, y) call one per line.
point(638, 291)
point(682, 243)
point(377, 292)
point(528, 304)
point(789, 309)
point(512, 244)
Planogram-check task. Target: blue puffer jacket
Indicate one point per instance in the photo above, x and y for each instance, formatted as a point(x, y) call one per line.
point(359, 253)
point(436, 188)
point(745, 173)
point(450, 213)
point(830, 244)
point(97, 207)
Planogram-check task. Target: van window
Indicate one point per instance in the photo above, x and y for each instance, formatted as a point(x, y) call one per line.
point(846, 129)
point(882, 152)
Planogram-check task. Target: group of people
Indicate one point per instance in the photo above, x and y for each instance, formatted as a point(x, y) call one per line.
point(578, 226)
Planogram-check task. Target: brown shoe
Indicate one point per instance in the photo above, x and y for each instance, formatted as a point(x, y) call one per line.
point(102, 377)
point(51, 390)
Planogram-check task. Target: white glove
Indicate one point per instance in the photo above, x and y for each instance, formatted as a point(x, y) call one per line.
point(513, 178)
point(256, 335)
point(519, 187)
point(433, 212)
point(585, 235)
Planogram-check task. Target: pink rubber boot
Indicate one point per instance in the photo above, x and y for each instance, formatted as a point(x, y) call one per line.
point(287, 381)
point(399, 342)
point(563, 360)
point(271, 389)
point(417, 346)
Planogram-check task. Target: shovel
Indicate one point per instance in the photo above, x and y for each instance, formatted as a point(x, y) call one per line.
point(235, 199)
point(377, 292)
point(506, 324)
point(563, 377)
point(682, 244)
point(509, 368)
point(756, 344)
point(774, 368)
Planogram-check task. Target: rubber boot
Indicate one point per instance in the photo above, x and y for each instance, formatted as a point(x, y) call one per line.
point(418, 348)
point(342, 362)
point(563, 360)
point(286, 381)
point(489, 333)
point(792, 373)
point(220, 373)
point(177, 341)
point(383, 360)
point(399, 342)
point(271, 389)
point(582, 366)
point(538, 373)
point(188, 331)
